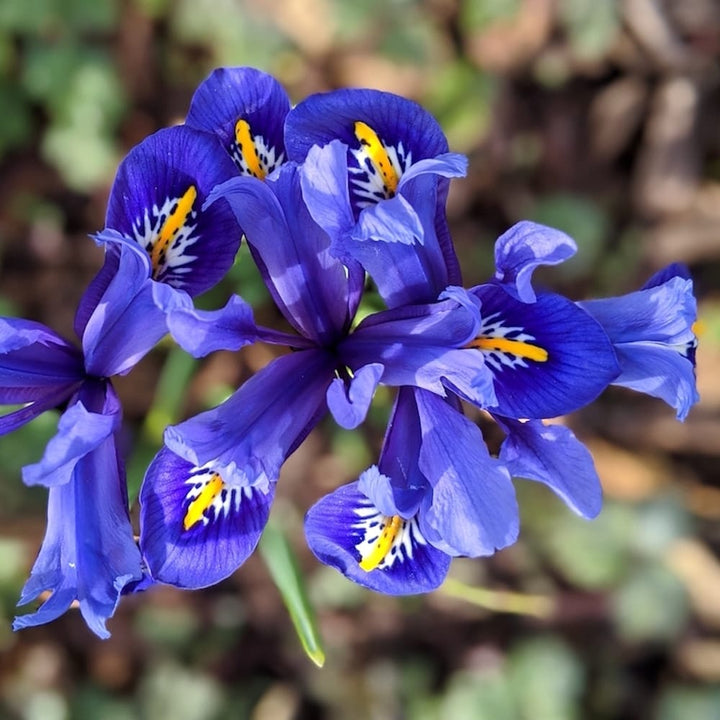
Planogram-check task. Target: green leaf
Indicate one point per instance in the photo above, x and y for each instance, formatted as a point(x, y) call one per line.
point(283, 567)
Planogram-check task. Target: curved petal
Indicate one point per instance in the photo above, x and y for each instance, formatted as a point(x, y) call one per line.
point(248, 437)
point(34, 359)
point(401, 124)
point(350, 402)
point(246, 109)
point(422, 345)
point(157, 199)
point(524, 247)
point(194, 529)
point(473, 511)
point(546, 358)
point(89, 553)
point(345, 530)
point(201, 332)
point(402, 242)
point(79, 433)
point(552, 455)
point(309, 285)
point(130, 317)
point(652, 331)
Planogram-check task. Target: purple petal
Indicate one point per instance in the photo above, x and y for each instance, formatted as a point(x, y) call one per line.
point(292, 252)
point(233, 95)
point(343, 530)
point(473, 510)
point(350, 402)
point(130, 318)
point(195, 529)
point(551, 454)
point(652, 331)
point(89, 553)
point(248, 437)
point(524, 247)
point(79, 433)
point(157, 200)
point(546, 358)
point(201, 332)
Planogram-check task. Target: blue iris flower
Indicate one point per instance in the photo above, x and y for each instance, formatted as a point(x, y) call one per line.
point(161, 247)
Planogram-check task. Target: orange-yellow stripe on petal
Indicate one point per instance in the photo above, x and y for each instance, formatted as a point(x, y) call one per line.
point(378, 155)
point(177, 218)
point(513, 347)
point(390, 531)
point(202, 502)
point(249, 152)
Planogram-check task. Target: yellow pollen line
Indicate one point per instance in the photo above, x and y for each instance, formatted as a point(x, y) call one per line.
point(514, 347)
point(245, 142)
point(378, 155)
point(698, 328)
point(384, 543)
point(170, 227)
point(203, 501)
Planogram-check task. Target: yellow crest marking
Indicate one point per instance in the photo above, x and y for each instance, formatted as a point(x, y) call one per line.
point(514, 347)
point(203, 501)
point(171, 226)
point(390, 531)
point(249, 152)
point(378, 155)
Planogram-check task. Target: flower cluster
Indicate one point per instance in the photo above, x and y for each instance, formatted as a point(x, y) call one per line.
point(345, 189)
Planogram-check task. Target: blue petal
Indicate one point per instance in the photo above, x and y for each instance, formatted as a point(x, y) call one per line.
point(551, 454)
point(79, 433)
point(248, 437)
point(192, 546)
point(309, 285)
point(201, 332)
point(652, 333)
point(89, 553)
point(679, 270)
point(403, 242)
point(36, 367)
point(157, 201)
point(344, 527)
point(473, 510)
point(546, 358)
point(524, 247)
point(390, 221)
point(423, 346)
point(233, 94)
point(349, 405)
point(130, 317)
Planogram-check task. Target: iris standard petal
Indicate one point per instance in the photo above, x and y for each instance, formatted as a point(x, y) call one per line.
point(89, 553)
point(546, 358)
point(248, 437)
point(130, 317)
point(402, 241)
point(522, 249)
point(473, 511)
point(246, 109)
point(349, 399)
point(552, 455)
point(195, 530)
point(309, 285)
point(157, 200)
point(652, 331)
point(387, 554)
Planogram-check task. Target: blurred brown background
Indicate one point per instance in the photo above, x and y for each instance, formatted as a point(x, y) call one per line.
point(599, 117)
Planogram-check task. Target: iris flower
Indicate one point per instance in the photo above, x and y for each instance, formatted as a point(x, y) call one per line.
point(160, 248)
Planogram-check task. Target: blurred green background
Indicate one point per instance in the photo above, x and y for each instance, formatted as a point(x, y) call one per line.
point(602, 118)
